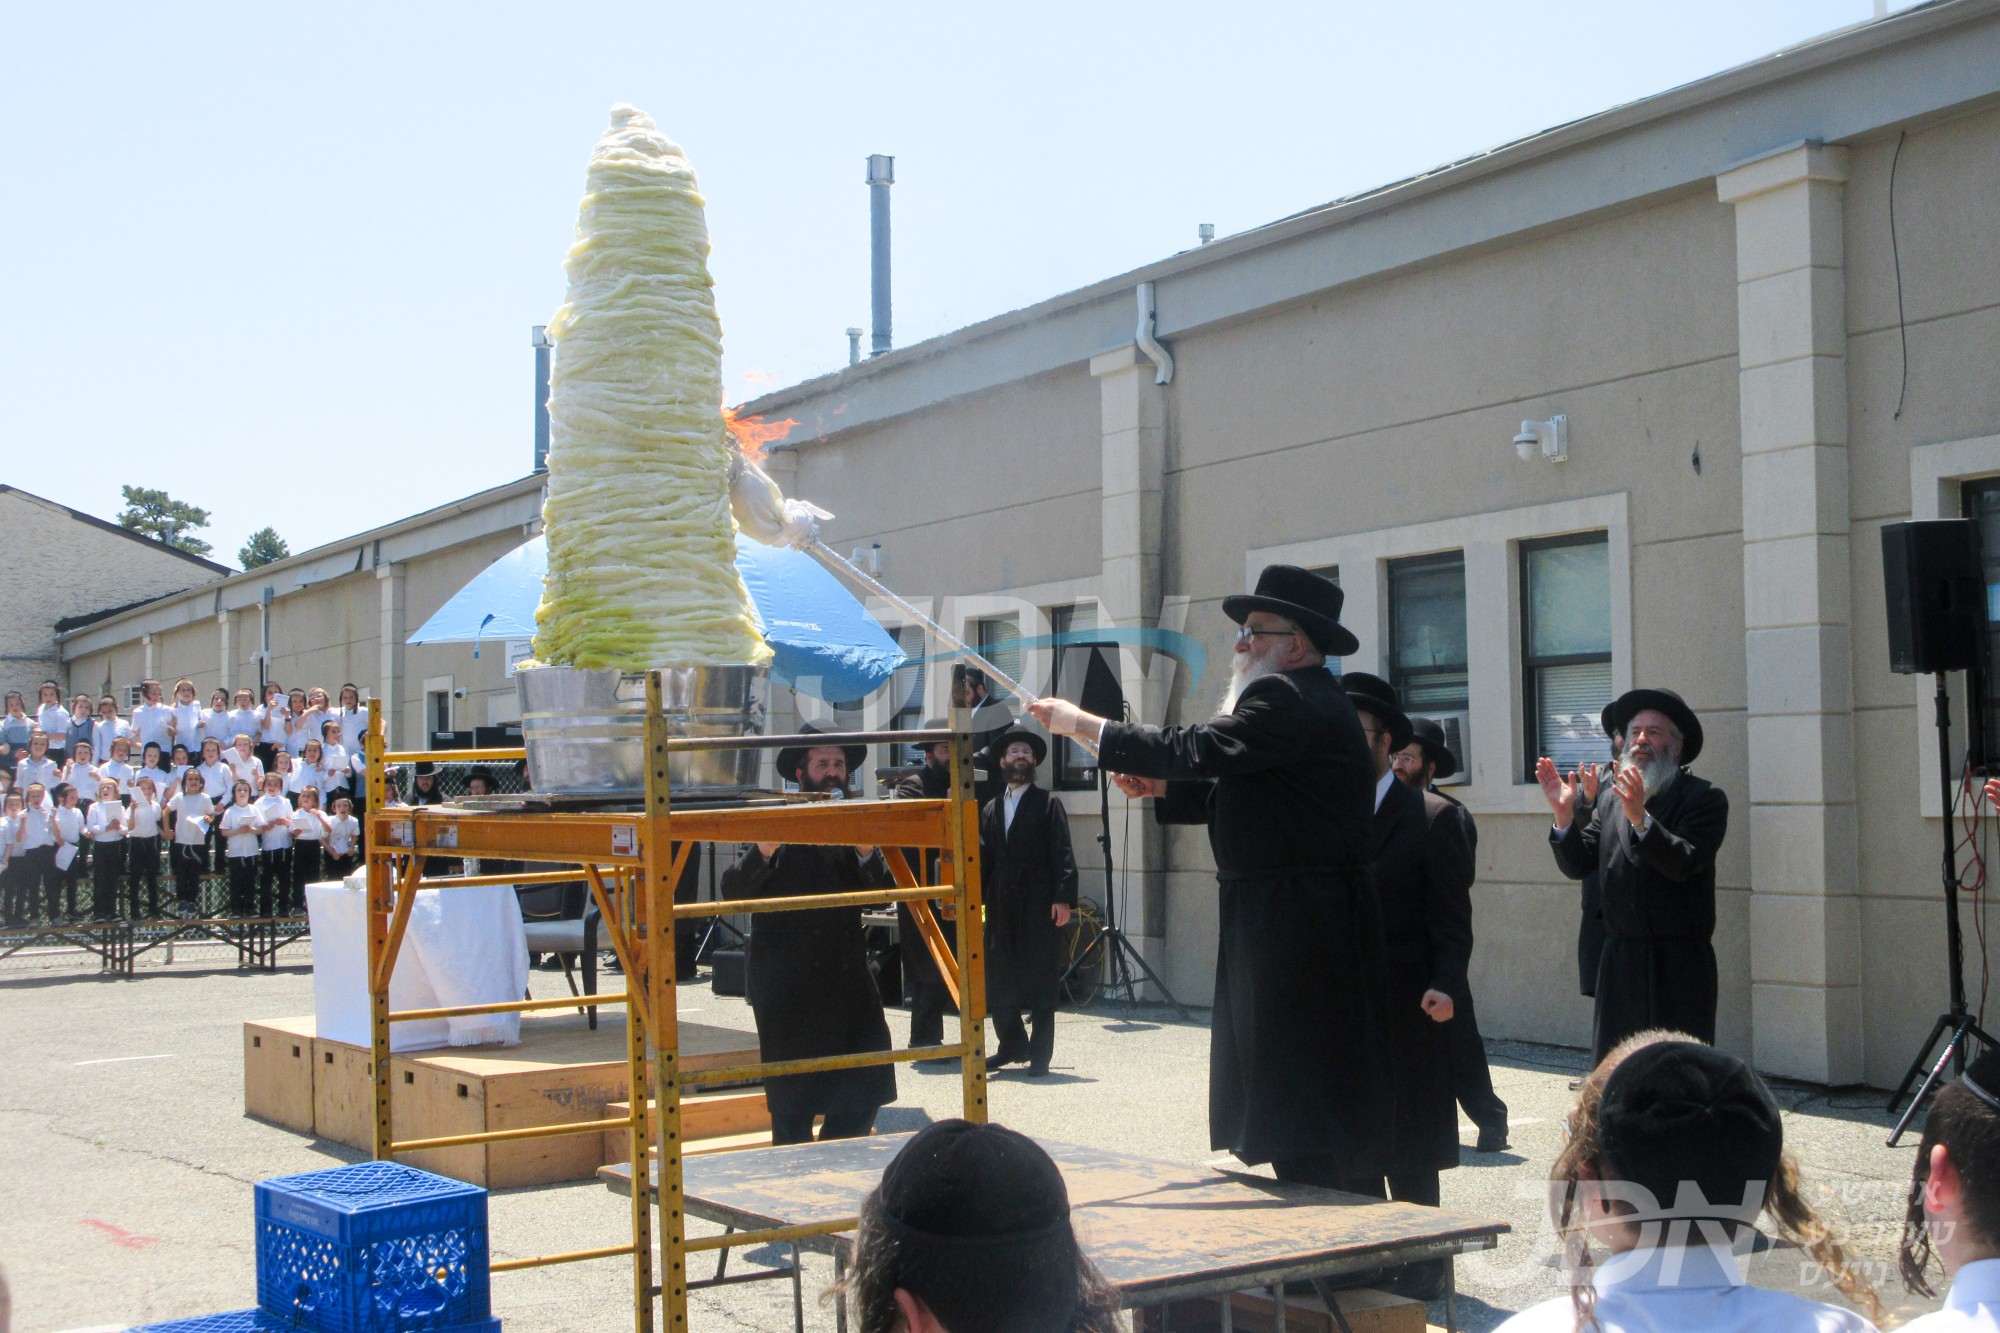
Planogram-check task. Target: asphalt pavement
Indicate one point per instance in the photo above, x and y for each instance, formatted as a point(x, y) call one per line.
point(125, 1194)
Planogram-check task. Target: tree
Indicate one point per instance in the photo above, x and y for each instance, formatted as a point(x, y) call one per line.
point(264, 546)
point(158, 515)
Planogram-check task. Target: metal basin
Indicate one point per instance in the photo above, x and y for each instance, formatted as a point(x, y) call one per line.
point(584, 731)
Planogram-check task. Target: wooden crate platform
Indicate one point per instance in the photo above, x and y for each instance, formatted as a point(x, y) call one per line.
point(562, 1072)
point(710, 1122)
point(278, 1072)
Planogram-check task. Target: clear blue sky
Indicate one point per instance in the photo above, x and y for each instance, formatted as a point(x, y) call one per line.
point(282, 260)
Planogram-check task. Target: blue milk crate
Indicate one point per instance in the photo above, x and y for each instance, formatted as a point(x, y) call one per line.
point(256, 1321)
point(372, 1248)
point(235, 1321)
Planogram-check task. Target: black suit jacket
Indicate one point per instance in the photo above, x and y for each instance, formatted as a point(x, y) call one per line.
point(1659, 885)
point(1284, 782)
point(1027, 868)
point(933, 783)
point(1423, 872)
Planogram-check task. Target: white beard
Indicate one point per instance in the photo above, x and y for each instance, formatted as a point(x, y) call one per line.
point(1658, 772)
point(1244, 668)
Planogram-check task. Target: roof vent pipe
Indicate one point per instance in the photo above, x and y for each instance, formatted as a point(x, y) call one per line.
point(854, 346)
point(881, 175)
point(1154, 349)
point(1206, 231)
point(538, 338)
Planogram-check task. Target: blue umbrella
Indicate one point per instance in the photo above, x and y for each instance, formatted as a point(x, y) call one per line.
point(825, 642)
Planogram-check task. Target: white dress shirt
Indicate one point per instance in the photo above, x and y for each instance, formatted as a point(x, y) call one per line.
point(1010, 799)
point(335, 767)
point(217, 783)
point(239, 827)
point(275, 811)
point(54, 721)
point(215, 726)
point(1382, 786)
point(1971, 1306)
point(149, 723)
point(145, 817)
point(342, 834)
point(244, 768)
point(187, 723)
point(191, 813)
point(1686, 1289)
point(108, 822)
point(242, 722)
point(34, 827)
point(105, 730)
point(31, 769)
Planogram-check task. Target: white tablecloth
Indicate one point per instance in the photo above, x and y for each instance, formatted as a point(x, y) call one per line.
point(463, 946)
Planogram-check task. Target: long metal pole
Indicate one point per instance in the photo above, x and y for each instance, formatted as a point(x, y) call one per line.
point(378, 944)
point(663, 1016)
point(841, 566)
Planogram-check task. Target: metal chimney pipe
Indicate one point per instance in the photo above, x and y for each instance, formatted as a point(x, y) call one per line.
point(854, 346)
point(538, 338)
point(881, 175)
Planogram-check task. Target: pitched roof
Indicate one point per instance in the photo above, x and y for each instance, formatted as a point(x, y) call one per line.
point(126, 533)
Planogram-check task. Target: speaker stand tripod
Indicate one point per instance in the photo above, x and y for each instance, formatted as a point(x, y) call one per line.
point(1958, 1021)
point(1120, 955)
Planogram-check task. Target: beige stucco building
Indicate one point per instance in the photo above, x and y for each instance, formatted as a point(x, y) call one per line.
point(64, 565)
point(1705, 285)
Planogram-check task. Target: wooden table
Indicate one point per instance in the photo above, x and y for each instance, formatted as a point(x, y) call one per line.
point(1159, 1231)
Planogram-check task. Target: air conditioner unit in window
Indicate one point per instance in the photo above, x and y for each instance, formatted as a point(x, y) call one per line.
point(1455, 730)
point(133, 697)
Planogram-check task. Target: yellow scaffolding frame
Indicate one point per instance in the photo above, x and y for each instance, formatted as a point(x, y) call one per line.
point(632, 860)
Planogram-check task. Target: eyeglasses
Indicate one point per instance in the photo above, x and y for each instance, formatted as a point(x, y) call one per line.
point(1245, 632)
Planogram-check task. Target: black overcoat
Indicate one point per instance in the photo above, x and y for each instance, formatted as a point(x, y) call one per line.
point(1298, 1046)
point(1658, 908)
point(809, 984)
point(1025, 869)
point(1423, 872)
point(919, 968)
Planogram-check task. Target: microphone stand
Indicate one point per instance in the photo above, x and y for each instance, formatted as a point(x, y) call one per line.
point(1121, 955)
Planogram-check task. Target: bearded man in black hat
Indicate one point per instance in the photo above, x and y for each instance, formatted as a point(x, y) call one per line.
point(1423, 873)
point(1419, 765)
point(1298, 1048)
point(809, 984)
point(1652, 837)
point(1030, 881)
point(929, 1000)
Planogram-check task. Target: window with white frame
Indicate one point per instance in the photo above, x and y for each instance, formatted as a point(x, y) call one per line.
point(1331, 573)
point(998, 639)
point(1428, 660)
point(1565, 648)
point(906, 691)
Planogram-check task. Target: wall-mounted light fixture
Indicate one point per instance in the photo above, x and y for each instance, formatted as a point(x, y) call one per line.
point(1547, 439)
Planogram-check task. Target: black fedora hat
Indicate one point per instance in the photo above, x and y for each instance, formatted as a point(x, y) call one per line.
point(1300, 595)
point(1428, 733)
point(1006, 738)
point(1633, 702)
point(1372, 694)
point(793, 756)
point(935, 724)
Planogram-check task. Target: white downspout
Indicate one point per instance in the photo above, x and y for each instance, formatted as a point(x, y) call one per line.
point(1154, 349)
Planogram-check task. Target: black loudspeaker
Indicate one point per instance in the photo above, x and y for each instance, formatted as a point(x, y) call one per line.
point(1936, 595)
point(1088, 674)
